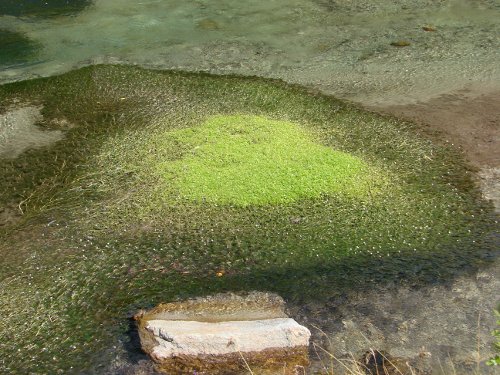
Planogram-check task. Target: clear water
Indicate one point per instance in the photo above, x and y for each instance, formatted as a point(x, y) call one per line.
point(342, 47)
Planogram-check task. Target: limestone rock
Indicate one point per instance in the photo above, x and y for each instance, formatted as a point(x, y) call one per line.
point(224, 334)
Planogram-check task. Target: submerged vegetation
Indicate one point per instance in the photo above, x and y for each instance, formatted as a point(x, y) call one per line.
point(249, 160)
point(16, 48)
point(169, 185)
point(42, 8)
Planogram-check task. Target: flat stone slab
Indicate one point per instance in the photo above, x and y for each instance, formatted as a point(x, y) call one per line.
point(224, 334)
point(200, 338)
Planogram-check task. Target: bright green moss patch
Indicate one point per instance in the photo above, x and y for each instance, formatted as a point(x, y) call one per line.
point(246, 160)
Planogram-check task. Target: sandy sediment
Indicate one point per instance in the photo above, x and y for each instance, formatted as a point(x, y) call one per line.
point(469, 119)
point(19, 132)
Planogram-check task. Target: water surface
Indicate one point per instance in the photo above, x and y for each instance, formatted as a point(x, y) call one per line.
point(341, 47)
point(382, 52)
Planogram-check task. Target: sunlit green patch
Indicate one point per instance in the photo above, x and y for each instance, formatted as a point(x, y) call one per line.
point(247, 160)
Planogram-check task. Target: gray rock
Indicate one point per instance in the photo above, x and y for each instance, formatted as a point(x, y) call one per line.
point(195, 338)
point(224, 334)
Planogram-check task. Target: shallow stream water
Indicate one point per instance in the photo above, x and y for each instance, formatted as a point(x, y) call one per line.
point(348, 48)
point(377, 53)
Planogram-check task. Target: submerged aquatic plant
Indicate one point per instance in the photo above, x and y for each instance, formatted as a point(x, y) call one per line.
point(251, 160)
point(42, 8)
point(168, 185)
point(16, 48)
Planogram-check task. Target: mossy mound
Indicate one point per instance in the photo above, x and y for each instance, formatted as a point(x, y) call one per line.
point(169, 185)
point(251, 160)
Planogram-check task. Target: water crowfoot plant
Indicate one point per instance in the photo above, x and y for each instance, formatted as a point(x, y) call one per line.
point(168, 185)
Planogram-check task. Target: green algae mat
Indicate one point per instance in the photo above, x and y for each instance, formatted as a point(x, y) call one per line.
point(252, 160)
point(168, 185)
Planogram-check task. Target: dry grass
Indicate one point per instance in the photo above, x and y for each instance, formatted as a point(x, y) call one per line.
point(375, 362)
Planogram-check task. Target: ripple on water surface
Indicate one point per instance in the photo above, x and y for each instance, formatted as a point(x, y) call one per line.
point(398, 51)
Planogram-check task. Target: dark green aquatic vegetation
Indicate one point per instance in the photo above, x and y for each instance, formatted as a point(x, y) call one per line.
point(15, 48)
point(114, 219)
point(42, 8)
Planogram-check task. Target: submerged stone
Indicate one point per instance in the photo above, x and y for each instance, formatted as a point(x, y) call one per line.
point(224, 334)
point(429, 28)
point(400, 43)
point(208, 24)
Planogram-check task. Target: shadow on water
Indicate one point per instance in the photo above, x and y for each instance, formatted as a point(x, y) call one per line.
point(16, 48)
point(321, 280)
point(316, 291)
point(42, 8)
